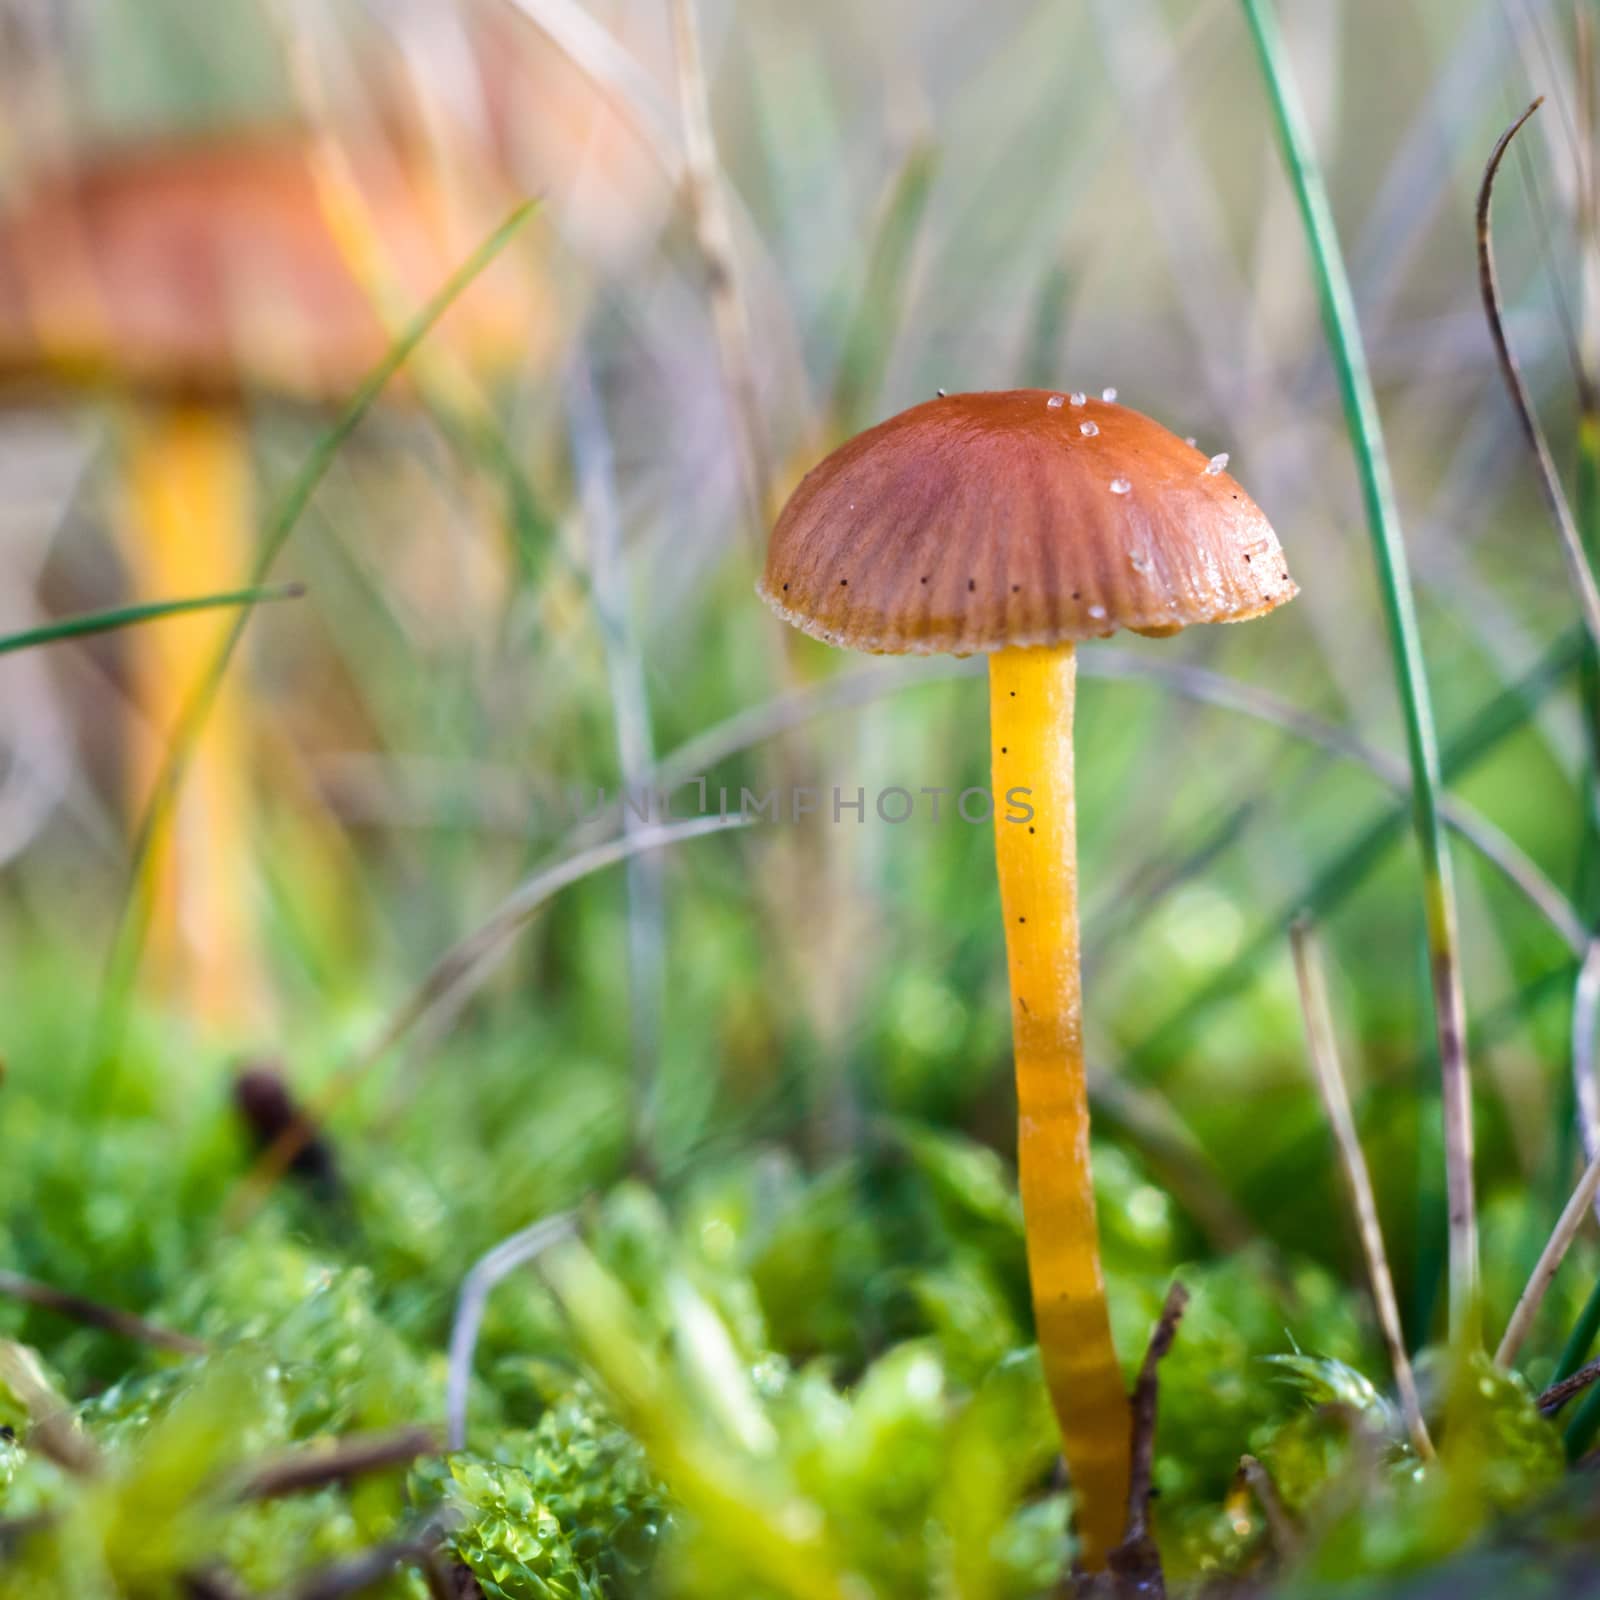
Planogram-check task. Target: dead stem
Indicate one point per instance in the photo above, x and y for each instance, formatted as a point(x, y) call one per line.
point(1133, 1571)
point(1285, 1535)
point(1549, 1263)
point(1322, 1046)
point(80, 1308)
point(1557, 1395)
point(708, 211)
point(317, 1466)
point(1578, 570)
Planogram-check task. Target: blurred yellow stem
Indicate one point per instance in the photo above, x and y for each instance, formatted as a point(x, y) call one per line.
point(1030, 716)
point(187, 530)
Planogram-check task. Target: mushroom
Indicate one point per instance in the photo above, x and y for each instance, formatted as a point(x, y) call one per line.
point(1018, 523)
point(183, 279)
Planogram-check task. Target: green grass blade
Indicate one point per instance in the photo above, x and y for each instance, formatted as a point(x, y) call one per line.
point(1383, 522)
point(127, 945)
point(131, 616)
point(1581, 1340)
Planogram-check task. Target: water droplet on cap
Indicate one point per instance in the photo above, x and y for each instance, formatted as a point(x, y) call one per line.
point(1191, 441)
point(1120, 486)
point(1088, 429)
point(1216, 464)
point(1141, 562)
point(1078, 397)
point(1097, 612)
point(1108, 395)
point(1055, 402)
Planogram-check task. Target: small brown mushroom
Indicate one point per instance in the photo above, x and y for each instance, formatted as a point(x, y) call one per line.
point(1018, 523)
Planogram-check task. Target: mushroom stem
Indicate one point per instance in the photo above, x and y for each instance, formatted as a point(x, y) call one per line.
point(187, 529)
point(1030, 716)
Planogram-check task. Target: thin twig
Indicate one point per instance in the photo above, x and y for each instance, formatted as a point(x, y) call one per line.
point(448, 1578)
point(1133, 1568)
point(1323, 1049)
point(708, 210)
point(53, 1429)
point(1549, 1263)
point(1557, 1395)
point(320, 1465)
point(80, 1308)
point(486, 1272)
point(360, 1572)
point(1578, 570)
point(1146, 1397)
point(1285, 1534)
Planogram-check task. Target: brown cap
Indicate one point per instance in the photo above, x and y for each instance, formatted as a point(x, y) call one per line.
point(214, 269)
point(1018, 517)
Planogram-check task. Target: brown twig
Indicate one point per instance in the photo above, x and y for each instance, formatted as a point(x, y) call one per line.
point(359, 1572)
point(1557, 1395)
point(1133, 1569)
point(1549, 1263)
point(14, 1286)
point(344, 1459)
point(1285, 1534)
point(52, 1428)
point(448, 1578)
point(1146, 1395)
point(708, 210)
point(1323, 1049)
point(1578, 570)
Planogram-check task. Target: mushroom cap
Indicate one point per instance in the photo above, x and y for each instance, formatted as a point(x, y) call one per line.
point(1014, 518)
point(214, 269)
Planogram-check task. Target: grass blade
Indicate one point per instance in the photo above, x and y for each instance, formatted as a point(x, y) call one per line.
point(1581, 1340)
point(594, 468)
point(1383, 521)
point(94, 622)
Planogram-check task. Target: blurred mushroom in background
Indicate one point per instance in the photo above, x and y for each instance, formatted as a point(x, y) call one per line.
point(180, 280)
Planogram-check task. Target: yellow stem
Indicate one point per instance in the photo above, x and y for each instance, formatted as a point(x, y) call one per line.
point(1030, 716)
point(187, 530)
